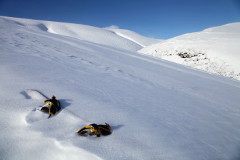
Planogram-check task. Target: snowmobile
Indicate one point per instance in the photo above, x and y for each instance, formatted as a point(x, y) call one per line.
point(51, 106)
point(94, 129)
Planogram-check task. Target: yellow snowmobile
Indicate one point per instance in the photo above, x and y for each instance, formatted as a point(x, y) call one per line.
point(51, 106)
point(94, 129)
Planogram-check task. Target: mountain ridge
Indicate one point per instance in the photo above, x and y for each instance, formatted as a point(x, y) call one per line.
point(93, 34)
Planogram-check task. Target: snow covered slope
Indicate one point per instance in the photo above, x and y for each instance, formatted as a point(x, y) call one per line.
point(214, 50)
point(157, 109)
point(97, 35)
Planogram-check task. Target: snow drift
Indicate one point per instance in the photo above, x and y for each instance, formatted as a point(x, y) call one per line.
point(157, 109)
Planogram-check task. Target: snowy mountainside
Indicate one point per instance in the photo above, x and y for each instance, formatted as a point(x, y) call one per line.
point(215, 50)
point(157, 109)
point(89, 33)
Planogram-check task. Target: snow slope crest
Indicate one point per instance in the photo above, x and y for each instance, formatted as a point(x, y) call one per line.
point(215, 50)
point(231, 28)
point(103, 36)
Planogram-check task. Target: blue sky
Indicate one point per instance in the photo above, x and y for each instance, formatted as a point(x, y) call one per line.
point(153, 18)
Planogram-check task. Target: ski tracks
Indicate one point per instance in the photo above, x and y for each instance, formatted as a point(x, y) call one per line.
point(107, 68)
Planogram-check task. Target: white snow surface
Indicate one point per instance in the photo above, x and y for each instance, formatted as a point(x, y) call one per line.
point(215, 50)
point(157, 109)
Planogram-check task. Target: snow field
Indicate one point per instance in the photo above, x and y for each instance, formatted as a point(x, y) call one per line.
point(157, 109)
